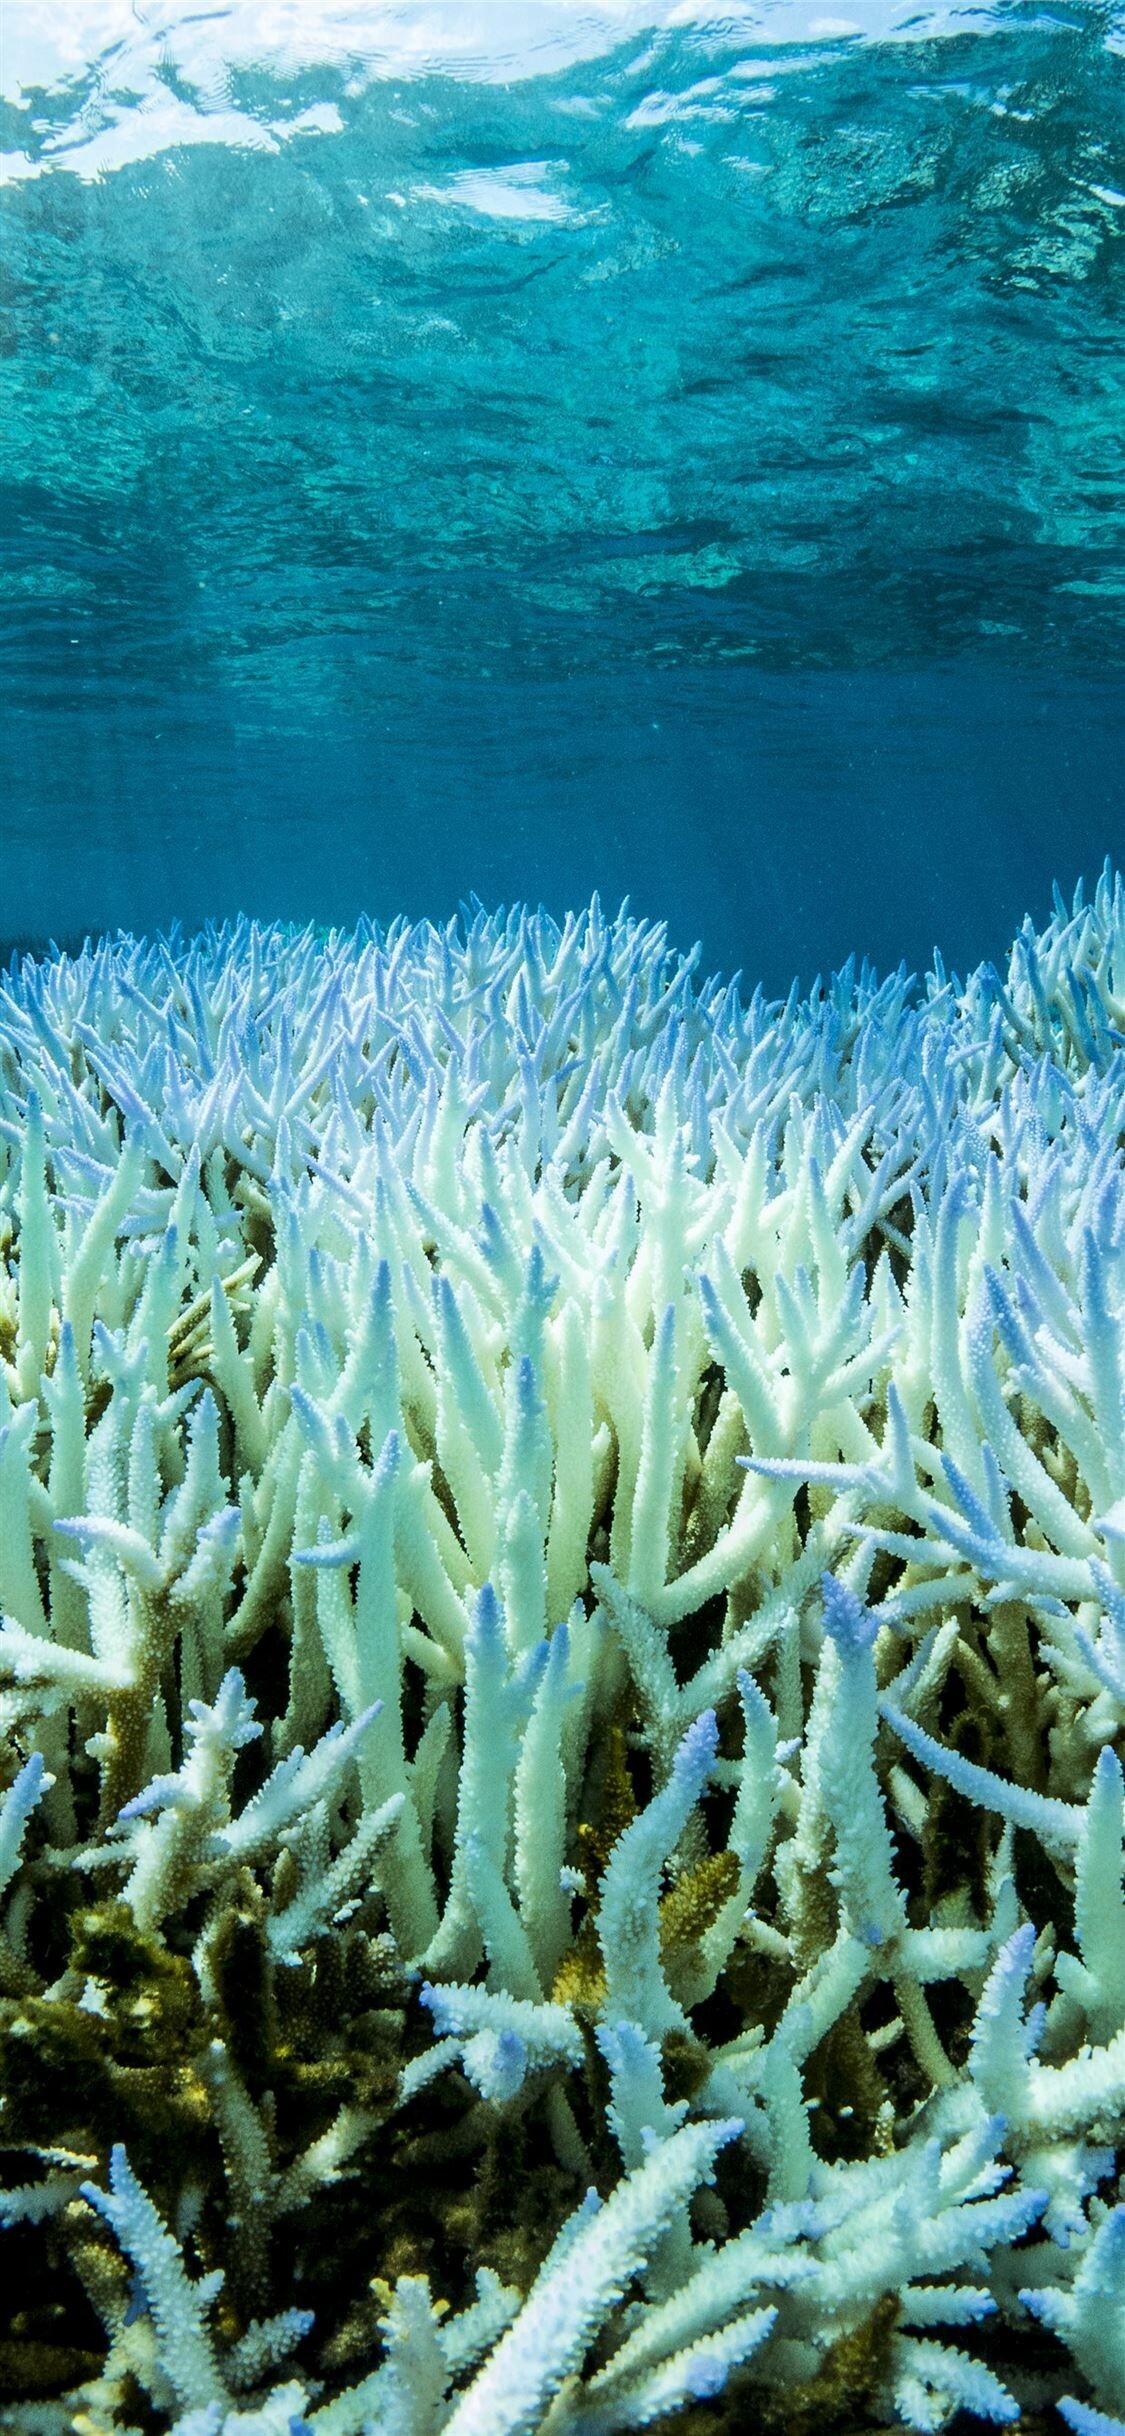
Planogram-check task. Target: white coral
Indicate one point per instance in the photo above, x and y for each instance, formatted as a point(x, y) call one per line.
point(503, 1343)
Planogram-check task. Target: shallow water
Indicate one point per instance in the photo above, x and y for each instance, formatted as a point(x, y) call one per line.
point(534, 450)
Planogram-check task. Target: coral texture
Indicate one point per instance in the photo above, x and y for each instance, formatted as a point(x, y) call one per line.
point(562, 1561)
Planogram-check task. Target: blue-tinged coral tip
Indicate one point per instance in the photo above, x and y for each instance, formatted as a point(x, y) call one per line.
point(851, 1624)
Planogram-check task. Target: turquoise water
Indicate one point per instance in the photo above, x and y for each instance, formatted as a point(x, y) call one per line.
point(540, 449)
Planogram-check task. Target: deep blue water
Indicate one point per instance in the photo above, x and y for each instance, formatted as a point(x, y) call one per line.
point(534, 450)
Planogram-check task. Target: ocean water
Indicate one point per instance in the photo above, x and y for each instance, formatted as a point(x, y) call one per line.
point(538, 449)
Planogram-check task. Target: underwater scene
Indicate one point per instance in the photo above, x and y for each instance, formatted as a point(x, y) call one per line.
point(562, 1218)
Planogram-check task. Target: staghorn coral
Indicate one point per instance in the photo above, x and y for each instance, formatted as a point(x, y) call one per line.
point(562, 1561)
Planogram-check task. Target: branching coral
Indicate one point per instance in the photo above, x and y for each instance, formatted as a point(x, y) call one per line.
point(562, 1563)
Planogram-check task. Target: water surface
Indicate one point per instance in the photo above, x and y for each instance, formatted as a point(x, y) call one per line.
point(534, 449)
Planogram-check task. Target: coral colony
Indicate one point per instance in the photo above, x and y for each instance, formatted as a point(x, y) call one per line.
point(562, 1559)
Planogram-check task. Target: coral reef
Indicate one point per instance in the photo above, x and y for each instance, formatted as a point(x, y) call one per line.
point(562, 1679)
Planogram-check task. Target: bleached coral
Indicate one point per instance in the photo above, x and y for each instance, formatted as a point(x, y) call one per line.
point(562, 1563)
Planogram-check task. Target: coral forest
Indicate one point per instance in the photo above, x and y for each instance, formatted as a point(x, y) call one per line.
point(562, 1687)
